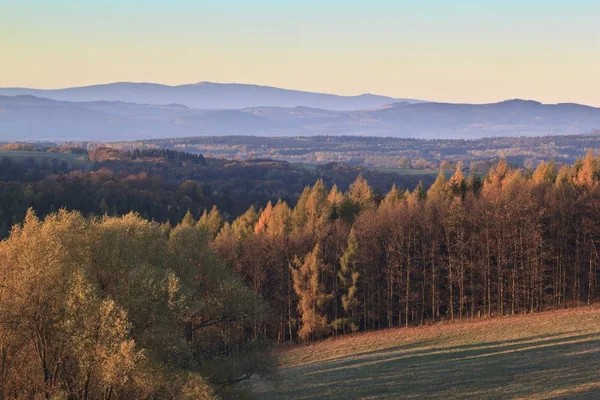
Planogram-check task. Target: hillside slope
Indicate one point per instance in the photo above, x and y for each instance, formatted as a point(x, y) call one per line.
point(544, 356)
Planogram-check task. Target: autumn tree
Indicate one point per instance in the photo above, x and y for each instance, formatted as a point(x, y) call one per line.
point(312, 299)
point(349, 275)
point(117, 308)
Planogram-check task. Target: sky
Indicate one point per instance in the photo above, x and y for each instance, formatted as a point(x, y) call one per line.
point(455, 51)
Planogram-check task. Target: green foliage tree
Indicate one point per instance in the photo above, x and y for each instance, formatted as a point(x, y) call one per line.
point(115, 308)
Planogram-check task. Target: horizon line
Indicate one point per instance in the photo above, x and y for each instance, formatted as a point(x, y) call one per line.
point(285, 89)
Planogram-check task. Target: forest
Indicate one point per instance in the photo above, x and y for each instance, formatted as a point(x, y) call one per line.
point(186, 298)
point(516, 241)
point(159, 185)
point(387, 152)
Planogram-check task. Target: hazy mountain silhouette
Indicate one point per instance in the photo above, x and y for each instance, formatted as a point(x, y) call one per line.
point(207, 95)
point(32, 118)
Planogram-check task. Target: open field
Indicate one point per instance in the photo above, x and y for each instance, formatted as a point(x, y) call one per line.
point(393, 170)
point(552, 355)
point(410, 171)
point(41, 154)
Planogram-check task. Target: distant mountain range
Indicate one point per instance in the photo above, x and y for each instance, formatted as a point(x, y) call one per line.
point(208, 96)
point(34, 118)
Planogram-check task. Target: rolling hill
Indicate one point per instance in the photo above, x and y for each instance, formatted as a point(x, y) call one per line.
point(550, 355)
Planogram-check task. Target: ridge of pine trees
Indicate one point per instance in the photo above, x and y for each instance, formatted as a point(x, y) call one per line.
point(514, 241)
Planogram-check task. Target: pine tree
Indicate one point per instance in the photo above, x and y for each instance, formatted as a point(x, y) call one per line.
point(498, 172)
point(439, 190)
point(361, 194)
point(279, 224)
point(418, 195)
point(349, 275)
point(188, 219)
point(545, 173)
point(393, 197)
point(312, 299)
point(586, 177)
point(211, 222)
point(335, 196)
point(299, 214)
point(264, 219)
point(458, 183)
point(244, 225)
point(312, 209)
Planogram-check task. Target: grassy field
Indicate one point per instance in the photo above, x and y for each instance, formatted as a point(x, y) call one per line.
point(394, 170)
point(410, 171)
point(553, 355)
point(40, 154)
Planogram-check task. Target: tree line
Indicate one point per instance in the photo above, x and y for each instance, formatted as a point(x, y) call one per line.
point(516, 241)
point(160, 185)
point(385, 151)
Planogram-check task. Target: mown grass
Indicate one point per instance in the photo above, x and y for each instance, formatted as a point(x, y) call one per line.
point(551, 355)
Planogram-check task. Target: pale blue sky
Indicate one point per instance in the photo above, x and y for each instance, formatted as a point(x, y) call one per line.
point(474, 51)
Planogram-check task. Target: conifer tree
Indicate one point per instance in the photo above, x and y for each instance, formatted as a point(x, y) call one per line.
point(312, 299)
point(439, 190)
point(393, 197)
point(299, 214)
point(587, 174)
point(211, 222)
point(458, 183)
point(279, 223)
point(419, 194)
point(188, 219)
point(335, 196)
point(243, 226)
point(348, 276)
point(264, 219)
point(361, 194)
point(545, 173)
point(317, 207)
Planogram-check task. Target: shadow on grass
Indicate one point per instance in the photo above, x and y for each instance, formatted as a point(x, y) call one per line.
point(419, 346)
point(503, 369)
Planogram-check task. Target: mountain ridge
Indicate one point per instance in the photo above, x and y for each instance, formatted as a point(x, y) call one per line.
point(207, 95)
point(26, 117)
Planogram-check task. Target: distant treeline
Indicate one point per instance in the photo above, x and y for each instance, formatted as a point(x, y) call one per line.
point(477, 155)
point(106, 154)
point(160, 185)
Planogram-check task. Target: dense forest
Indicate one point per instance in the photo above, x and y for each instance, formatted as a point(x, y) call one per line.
point(159, 185)
point(517, 241)
point(388, 152)
point(186, 297)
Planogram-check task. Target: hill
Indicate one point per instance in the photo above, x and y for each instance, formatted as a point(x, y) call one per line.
point(387, 152)
point(207, 95)
point(33, 118)
point(543, 356)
